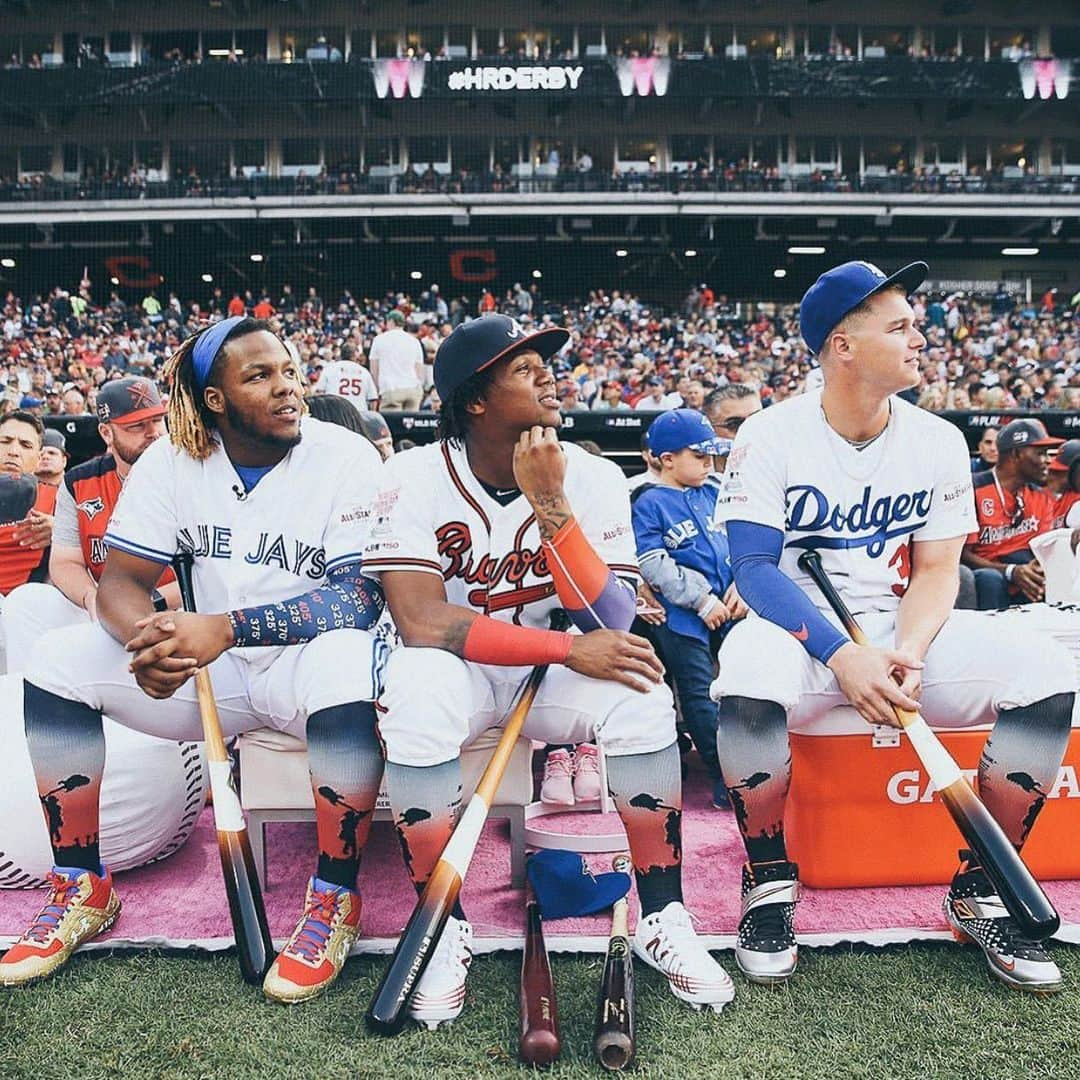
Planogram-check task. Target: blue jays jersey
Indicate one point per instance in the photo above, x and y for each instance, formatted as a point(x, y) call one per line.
point(859, 509)
point(683, 525)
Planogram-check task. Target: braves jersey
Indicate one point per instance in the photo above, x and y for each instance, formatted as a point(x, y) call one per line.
point(305, 517)
point(1007, 521)
point(859, 509)
point(432, 515)
point(348, 379)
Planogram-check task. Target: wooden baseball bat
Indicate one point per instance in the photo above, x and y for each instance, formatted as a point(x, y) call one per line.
point(540, 1041)
point(254, 947)
point(1019, 891)
point(388, 1009)
point(614, 1038)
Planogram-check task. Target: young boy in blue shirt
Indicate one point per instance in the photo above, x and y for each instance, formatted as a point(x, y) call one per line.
point(683, 555)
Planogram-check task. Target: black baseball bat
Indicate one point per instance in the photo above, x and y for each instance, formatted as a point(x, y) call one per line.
point(613, 1041)
point(254, 947)
point(1019, 891)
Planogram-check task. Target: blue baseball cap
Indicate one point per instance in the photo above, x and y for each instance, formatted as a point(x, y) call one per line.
point(844, 288)
point(476, 345)
point(566, 887)
point(683, 429)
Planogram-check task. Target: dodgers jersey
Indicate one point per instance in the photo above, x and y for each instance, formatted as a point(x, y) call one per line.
point(859, 509)
point(305, 517)
point(348, 379)
point(432, 515)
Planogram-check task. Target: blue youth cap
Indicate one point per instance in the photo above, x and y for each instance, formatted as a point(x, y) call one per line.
point(844, 288)
point(684, 429)
point(476, 345)
point(566, 887)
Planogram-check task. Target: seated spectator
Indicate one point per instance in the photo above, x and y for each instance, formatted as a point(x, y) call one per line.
point(131, 416)
point(1011, 506)
point(72, 401)
point(987, 456)
point(683, 555)
point(24, 544)
point(1064, 482)
point(654, 399)
point(53, 459)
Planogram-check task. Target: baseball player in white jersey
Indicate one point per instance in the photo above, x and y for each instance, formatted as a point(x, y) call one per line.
point(476, 539)
point(243, 485)
point(348, 379)
point(882, 491)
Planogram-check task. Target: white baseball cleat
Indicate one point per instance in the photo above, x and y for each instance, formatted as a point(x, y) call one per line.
point(666, 940)
point(440, 995)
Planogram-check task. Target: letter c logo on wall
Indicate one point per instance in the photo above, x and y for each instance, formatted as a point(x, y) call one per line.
point(473, 265)
point(118, 266)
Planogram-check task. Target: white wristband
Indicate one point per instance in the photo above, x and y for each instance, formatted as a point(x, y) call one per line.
point(1009, 570)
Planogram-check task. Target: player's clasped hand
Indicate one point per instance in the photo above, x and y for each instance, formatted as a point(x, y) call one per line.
point(616, 655)
point(34, 531)
point(867, 677)
point(1030, 580)
point(171, 645)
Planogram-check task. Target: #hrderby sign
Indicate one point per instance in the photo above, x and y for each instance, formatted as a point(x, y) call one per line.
point(533, 77)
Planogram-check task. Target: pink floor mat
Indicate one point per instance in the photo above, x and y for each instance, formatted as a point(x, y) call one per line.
point(181, 902)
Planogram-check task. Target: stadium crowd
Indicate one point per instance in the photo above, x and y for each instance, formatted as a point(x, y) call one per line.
point(982, 353)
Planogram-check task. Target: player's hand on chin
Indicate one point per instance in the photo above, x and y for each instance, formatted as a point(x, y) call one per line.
point(202, 638)
point(539, 462)
point(617, 656)
point(866, 677)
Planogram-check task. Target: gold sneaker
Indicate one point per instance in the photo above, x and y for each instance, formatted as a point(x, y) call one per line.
point(319, 946)
point(81, 907)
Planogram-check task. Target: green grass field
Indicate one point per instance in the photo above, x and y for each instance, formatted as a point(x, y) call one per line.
point(913, 1011)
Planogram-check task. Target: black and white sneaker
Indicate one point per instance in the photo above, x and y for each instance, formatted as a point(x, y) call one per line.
point(977, 915)
point(766, 951)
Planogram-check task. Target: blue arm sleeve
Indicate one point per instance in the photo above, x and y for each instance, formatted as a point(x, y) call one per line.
point(349, 601)
point(755, 559)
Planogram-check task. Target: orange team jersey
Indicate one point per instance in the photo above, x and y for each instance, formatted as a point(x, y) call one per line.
point(18, 564)
point(95, 488)
point(1007, 521)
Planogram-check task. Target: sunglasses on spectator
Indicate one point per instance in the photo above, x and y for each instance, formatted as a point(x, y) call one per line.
point(733, 424)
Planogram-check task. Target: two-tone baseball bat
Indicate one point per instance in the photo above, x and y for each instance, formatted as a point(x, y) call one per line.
point(540, 1042)
point(388, 1009)
point(254, 947)
point(1019, 891)
point(614, 1038)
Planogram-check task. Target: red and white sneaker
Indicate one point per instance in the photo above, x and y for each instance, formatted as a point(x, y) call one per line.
point(440, 995)
point(82, 905)
point(557, 786)
point(586, 773)
point(666, 940)
point(319, 945)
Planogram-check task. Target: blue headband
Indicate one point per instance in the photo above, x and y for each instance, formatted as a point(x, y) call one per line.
point(207, 347)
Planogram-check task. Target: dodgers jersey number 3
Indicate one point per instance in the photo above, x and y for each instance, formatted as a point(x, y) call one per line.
point(859, 509)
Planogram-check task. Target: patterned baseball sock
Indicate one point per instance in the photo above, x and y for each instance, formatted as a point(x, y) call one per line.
point(426, 801)
point(755, 757)
point(346, 768)
point(647, 789)
point(1020, 761)
point(67, 749)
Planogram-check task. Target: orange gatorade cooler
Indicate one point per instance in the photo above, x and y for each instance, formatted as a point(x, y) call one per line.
point(863, 812)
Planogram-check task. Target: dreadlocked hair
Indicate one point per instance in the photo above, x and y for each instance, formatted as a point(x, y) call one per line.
point(190, 421)
point(454, 419)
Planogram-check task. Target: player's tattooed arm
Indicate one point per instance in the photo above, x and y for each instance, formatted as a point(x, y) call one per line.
point(552, 512)
point(349, 601)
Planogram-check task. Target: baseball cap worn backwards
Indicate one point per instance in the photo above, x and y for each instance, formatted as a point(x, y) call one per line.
point(684, 429)
point(844, 288)
point(476, 345)
point(1020, 433)
point(129, 401)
